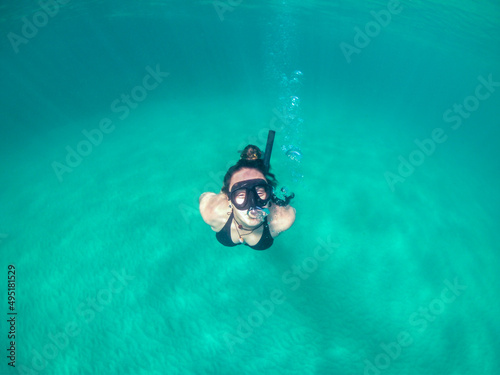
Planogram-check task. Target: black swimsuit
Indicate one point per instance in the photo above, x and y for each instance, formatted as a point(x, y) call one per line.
point(224, 236)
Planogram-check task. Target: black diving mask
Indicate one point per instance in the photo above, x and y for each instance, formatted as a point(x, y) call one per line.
point(249, 194)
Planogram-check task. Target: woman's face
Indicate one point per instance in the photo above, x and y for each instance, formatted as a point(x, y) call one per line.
point(243, 175)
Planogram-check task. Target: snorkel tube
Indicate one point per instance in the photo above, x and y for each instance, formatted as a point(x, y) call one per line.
point(267, 158)
point(269, 148)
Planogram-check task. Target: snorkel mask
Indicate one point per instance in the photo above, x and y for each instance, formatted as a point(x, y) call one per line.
point(252, 195)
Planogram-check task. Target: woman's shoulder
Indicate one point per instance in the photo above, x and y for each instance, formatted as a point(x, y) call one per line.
point(282, 218)
point(213, 209)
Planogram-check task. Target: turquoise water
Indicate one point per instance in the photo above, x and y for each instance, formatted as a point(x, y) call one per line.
point(116, 115)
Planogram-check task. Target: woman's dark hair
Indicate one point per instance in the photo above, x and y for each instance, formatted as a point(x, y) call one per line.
point(250, 158)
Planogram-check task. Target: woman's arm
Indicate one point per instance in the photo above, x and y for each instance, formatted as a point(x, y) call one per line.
point(282, 219)
point(211, 206)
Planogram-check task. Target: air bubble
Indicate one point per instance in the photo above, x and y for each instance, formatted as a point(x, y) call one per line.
point(294, 154)
point(294, 101)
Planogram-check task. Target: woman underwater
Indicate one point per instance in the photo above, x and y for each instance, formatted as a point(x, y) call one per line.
point(246, 211)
